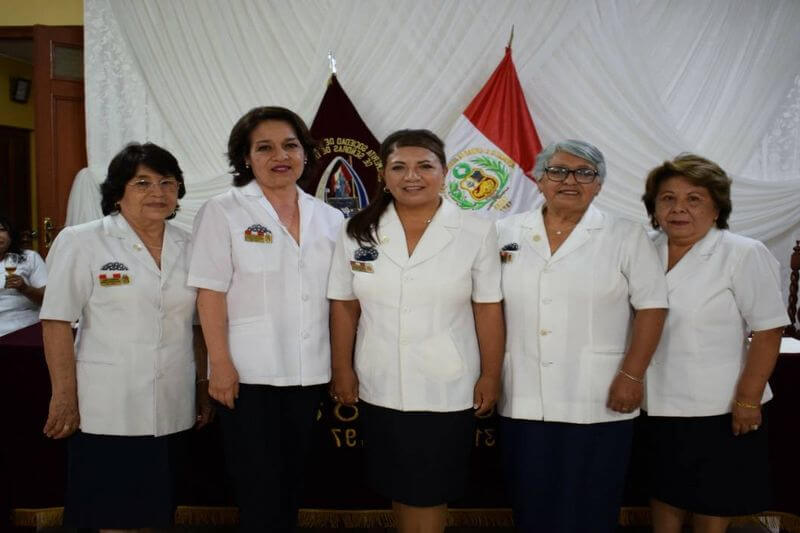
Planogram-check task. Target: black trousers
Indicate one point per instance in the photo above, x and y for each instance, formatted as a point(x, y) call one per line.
point(266, 438)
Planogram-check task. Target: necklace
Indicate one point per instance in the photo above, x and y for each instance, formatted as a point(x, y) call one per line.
point(153, 247)
point(436, 209)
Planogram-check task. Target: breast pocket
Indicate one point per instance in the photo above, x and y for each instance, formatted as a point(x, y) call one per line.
point(115, 289)
point(258, 254)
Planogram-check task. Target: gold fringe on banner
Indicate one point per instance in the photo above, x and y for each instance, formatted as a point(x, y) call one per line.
point(206, 516)
point(333, 518)
point(38, 518)
point(640, 516)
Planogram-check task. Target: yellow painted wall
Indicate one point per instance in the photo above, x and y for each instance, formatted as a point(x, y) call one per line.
point(13, 113)
point(49, 12)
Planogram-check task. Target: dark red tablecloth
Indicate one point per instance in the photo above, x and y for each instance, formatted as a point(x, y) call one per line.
point(34, 467)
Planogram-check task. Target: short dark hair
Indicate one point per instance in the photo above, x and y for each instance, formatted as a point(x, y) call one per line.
point(698, 171)
point(239, 141)
point(6, 224)
point(364, 224)
point(123, 168)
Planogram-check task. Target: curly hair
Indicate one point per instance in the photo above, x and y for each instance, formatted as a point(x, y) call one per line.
point(123, 168)
point(698, 171)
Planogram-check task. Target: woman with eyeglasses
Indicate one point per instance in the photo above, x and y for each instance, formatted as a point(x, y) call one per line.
point(585, 300)
point(124, 391)
point(22, 288)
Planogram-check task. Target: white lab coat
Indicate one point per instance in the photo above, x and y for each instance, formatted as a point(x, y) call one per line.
point(16, 310)
point(278, 314)
point(134, 356)
point(569, 314)
point(724, 287)
point(416, 348)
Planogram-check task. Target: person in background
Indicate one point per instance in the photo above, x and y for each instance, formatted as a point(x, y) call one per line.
point(585, 300)
point(24, 278)
point(415, 289)
point(707, 385)
point(260, 262)
point(133, 381)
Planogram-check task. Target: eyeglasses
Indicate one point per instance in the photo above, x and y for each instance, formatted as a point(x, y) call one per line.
point(168, 185)
point(582, 175)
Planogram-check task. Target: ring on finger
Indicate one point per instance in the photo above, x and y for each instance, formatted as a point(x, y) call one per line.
point(754, 427)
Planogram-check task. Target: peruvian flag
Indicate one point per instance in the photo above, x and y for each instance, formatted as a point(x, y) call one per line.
point(492, 148)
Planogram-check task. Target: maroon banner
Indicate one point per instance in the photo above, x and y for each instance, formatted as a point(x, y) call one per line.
point(346, 174)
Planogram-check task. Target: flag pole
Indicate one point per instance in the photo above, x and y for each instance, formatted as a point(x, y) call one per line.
point(332, 62)
point(511, 38)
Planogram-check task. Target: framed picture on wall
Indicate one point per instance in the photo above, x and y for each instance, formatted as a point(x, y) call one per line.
point(20, 89)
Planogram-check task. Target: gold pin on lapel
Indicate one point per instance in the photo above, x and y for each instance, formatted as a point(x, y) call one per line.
point(537, 237)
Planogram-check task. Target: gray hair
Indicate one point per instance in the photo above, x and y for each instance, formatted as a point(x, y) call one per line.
point(577, 148)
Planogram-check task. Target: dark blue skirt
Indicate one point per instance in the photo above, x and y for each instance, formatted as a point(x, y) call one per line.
point(116, 482)
point(418, 458)
point(698, 464)
point(565, 477)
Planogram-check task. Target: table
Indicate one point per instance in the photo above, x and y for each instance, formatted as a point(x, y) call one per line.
point(34, 466)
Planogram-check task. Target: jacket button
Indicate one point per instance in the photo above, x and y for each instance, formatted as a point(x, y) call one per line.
point(544, 332)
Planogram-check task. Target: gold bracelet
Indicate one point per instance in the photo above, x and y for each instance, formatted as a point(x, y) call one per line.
point(746, 405)
point(631, 377)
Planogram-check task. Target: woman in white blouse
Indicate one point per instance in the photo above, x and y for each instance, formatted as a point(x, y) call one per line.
point(707, 383)
point(127, 385)
point(24, 278)
point(415, 289)
point(584, 298)
point(261, 256)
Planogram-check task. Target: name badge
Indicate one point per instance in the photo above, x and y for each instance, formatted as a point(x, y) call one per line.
point(360, 266)
point(258, 233)
point(506, 255)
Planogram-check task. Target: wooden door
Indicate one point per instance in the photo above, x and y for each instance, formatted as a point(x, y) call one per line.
point(59, 122)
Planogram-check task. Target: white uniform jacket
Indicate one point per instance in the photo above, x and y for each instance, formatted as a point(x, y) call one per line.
point(724, 287)
point(134, 356)
point(568, 315)
point(16, 310)
point(416, 348)
point(278, 314)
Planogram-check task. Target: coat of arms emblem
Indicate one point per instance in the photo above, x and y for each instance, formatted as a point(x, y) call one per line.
point(478, 179)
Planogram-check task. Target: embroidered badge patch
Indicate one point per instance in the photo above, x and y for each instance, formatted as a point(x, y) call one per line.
point(362, 258)
point(114, 274)
point(258, 233)
point(505, 253)
point(365, 254)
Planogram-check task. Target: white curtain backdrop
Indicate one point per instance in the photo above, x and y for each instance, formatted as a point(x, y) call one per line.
point(643, 80)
